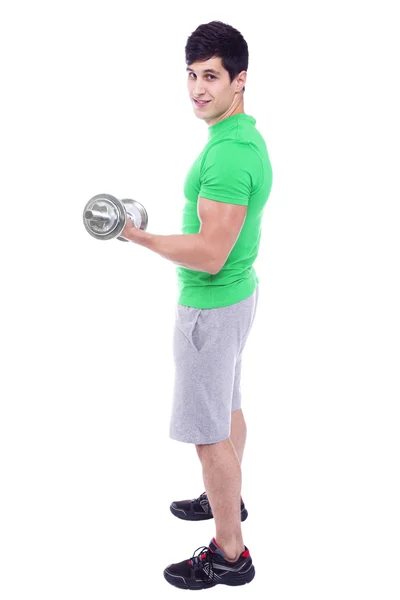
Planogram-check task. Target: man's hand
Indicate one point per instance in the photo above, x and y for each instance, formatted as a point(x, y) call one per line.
point(130, 231)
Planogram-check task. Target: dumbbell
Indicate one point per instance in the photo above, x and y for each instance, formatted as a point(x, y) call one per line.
point(104, 216)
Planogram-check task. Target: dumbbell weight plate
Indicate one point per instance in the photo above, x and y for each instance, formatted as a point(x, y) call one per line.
point(104, 216)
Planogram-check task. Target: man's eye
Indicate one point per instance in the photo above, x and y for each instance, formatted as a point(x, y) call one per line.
point(209, 75)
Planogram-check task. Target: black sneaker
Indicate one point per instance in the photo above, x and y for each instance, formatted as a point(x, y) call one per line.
point(210, 568)
point(198, 509)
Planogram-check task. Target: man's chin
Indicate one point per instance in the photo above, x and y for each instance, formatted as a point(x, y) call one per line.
point(202, 116)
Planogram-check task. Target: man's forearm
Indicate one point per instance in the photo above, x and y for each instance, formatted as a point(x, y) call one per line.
point(185, 250)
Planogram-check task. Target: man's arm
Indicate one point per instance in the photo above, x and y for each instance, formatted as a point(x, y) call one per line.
point(190, 251)
point(208, 250)
point(227, 181)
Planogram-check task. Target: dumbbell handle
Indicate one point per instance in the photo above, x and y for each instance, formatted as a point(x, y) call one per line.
point(97, 215)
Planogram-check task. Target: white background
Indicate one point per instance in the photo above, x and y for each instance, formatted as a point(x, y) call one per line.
point(94, 100)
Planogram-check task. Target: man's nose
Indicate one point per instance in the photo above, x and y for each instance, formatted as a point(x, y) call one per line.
point(199, 88)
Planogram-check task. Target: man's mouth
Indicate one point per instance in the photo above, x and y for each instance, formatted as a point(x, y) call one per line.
point(200, 103)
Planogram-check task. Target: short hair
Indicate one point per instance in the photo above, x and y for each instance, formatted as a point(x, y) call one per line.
point(217, 39)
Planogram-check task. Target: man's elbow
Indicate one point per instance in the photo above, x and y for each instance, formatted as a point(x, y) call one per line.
point(215, 267)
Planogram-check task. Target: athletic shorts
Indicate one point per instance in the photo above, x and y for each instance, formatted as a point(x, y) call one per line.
point(208, 344)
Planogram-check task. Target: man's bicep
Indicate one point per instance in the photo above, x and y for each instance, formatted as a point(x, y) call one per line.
point(221, 224)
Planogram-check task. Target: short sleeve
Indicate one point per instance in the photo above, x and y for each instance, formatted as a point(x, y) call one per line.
point(228, 172)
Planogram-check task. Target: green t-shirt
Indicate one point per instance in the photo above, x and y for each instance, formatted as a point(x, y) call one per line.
point(233, 167)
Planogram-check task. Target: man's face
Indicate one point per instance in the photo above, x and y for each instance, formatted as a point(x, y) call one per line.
point(213, 86)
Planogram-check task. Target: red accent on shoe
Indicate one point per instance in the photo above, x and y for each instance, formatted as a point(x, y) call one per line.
point(215, 542)
point(203, 555)
point(246, 553)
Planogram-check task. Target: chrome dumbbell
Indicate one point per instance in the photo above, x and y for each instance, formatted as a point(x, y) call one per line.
point(104, 216)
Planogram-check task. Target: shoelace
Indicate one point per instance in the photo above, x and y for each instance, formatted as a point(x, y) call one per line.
point(203, 500)
point(202, 560)
point(200, 497)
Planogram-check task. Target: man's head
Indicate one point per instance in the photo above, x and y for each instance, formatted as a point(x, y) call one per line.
point(222, 49)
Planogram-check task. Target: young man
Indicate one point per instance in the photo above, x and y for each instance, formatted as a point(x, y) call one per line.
point(226, 190)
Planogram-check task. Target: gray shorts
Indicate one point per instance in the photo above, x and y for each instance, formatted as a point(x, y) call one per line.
point(208, 344)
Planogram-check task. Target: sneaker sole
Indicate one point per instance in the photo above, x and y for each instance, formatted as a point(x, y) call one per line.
point(181, 514)
point(179, 582)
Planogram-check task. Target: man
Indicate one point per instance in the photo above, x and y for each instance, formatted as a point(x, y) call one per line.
point(225, 193)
